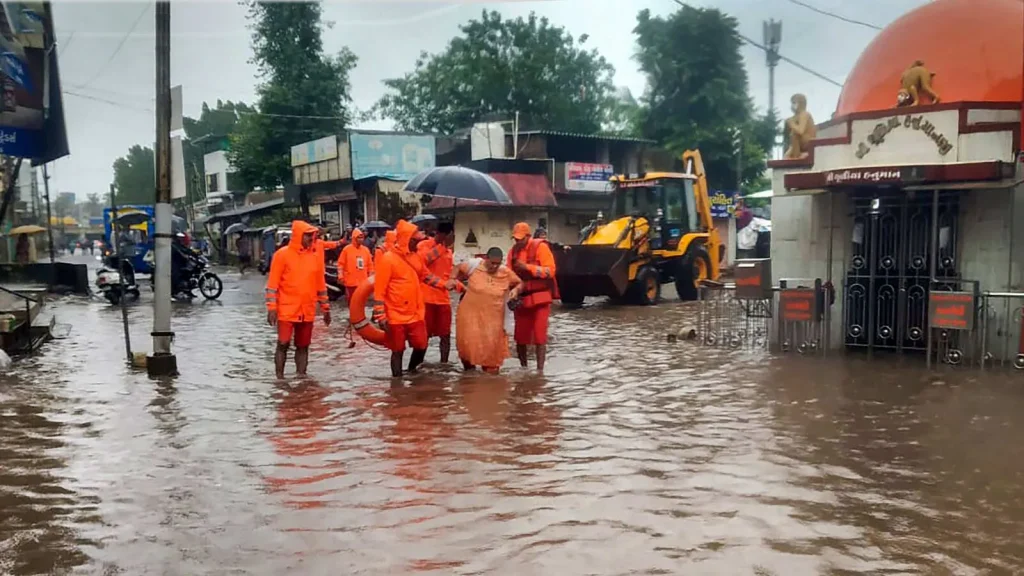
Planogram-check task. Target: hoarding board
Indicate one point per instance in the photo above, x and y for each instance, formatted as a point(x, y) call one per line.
point(325, 148)
point(390, 156)
point(31, 110)
point(722, 202)
point(585, 177)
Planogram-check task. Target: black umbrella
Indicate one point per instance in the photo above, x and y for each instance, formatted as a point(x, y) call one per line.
point(376, 225)
point(133, 218)
point(237, 227)
point(458, 183)
point(421, 218)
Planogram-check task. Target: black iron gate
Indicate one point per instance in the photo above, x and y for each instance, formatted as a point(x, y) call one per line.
point(889, 266)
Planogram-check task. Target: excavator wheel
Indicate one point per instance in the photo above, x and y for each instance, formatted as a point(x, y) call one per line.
point(646, 289)
point(695, 266)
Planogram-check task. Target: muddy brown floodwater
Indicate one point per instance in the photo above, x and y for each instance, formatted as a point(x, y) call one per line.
point(630, 456)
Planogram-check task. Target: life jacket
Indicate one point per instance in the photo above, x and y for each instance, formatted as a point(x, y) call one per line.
point(536, 291)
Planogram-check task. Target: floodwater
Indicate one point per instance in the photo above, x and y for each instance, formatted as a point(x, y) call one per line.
point(630, 456)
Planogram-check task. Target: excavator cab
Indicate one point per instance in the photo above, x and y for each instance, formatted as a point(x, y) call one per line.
point(659, 229)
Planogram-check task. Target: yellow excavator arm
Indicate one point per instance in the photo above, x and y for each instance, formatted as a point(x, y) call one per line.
point(694, 164)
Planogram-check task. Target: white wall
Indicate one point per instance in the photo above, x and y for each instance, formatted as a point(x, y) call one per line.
point(217, 163)
point(493, 229)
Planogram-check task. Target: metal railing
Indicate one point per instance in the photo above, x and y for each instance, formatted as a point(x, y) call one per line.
point(26, 327)
point(725, 320)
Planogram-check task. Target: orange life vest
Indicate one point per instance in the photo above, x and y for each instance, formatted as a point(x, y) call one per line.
point(536, 291)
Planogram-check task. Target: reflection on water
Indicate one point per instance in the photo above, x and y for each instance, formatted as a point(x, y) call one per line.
point(629, 457)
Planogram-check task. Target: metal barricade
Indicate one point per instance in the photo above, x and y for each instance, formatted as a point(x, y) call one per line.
point(723, 320)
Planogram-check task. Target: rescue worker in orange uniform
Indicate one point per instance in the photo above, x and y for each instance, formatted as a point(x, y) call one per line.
point(383, 247)
point(355, 264)
point(400, 306)
point(296, 287)
point(437, 256)
point(531, 259)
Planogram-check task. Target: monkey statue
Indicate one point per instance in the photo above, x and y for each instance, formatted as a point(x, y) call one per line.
point(913, 82)
point(800, 127)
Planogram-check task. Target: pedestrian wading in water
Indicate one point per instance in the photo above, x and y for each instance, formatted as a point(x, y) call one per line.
point(480, 335)
point(398, 290)
point(296, 289)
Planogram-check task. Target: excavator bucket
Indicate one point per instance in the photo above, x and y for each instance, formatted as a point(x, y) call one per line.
point(589, 270)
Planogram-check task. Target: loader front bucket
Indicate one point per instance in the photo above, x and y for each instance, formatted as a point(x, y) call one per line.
point(592, 271)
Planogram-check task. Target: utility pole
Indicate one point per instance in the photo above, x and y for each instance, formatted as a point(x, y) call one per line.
point(772, 40)
point(49, 217)
point(163, 361)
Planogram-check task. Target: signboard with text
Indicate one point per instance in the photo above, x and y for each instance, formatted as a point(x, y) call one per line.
point(929, 137)
point(390, 156)
point(325, 148)
point(798, 305)
point(951, 310)
point(753, 279)
point(722, 203)
point(583, 177)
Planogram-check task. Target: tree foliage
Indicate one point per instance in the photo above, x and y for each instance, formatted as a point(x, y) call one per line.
point(135, 177)
point(498, 65)
point(304, 93)
point(696, 94)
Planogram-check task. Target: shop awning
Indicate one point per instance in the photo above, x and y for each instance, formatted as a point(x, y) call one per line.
point(245, 210)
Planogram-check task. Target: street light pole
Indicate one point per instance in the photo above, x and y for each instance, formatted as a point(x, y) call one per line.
point(163, 361)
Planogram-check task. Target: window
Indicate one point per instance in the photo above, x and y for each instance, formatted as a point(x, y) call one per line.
point(211, 183)
point(680, 204)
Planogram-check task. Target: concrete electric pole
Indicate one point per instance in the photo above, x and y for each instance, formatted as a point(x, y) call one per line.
point(163, 362)
point(772, 40)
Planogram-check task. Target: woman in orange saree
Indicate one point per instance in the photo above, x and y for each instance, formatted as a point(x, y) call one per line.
point(480, 335)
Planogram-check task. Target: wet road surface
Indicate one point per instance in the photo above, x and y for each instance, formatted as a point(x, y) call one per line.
point(630, 456)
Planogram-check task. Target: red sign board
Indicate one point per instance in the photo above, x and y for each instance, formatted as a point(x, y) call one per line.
point(951, 310)
point(798, 305)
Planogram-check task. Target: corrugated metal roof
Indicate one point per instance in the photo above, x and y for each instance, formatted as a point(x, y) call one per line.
point(246, 210)
point(590, 136)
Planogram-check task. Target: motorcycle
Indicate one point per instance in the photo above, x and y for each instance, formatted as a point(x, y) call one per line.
point(109, 284)
point(195, 274)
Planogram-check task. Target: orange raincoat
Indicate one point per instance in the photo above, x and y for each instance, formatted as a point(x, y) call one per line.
point(296, 283)
point(388, 244)
point(398, 278)
point(439, 262)
point(355, 264)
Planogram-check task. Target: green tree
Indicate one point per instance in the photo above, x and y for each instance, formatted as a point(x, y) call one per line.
point(303, 93)
point(504, 66)
point(697, 96)
point(135, 176)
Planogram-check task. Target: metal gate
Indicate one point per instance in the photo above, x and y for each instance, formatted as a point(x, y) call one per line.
point(889, 267)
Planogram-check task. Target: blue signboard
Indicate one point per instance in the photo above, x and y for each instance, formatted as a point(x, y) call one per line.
point(722, 203)
point(391, 156)
point(30, 126)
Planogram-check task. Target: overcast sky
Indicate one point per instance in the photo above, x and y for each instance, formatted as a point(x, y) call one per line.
point(106, 56)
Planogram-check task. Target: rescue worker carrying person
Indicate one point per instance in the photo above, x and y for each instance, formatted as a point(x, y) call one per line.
point(401, 308)
point(355, 264)
point(531, 259)
point(296, 287)
point(437, 256)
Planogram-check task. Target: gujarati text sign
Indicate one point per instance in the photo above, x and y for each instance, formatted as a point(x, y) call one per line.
point(798, 305)
point(951, 310)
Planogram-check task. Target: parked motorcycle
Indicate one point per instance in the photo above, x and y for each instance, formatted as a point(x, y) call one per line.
point(109, 284)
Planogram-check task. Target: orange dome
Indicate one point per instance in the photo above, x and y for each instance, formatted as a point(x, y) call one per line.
point(974, 47)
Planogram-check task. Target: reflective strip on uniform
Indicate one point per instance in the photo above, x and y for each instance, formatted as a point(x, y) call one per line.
point(361, 324)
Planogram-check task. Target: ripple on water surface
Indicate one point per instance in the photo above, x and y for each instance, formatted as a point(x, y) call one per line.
point(630, 456)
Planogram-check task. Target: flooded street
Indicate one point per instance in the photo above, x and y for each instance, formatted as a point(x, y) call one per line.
point(630, 456)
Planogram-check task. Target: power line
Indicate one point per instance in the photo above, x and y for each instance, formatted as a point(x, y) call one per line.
point(120, 45)
point(814, 73)
point(836, 16)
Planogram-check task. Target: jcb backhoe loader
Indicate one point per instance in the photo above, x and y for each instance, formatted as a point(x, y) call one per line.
point(659, 230)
